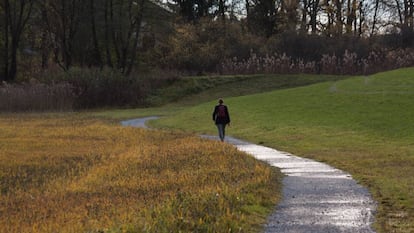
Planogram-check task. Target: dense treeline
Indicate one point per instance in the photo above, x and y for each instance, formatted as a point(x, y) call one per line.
point(73, 33)
point(45, 39)
point(121, 33)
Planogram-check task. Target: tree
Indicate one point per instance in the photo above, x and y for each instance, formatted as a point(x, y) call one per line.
point(351, 16)
point(62, 19)
point(338, 17)
point(313, 13)
point(96, 54)
point(374, 21)
point(262, 17)
point(16, 16)
point(123, 23)
point(406, 16)
point(289, 8)
point(193, 10)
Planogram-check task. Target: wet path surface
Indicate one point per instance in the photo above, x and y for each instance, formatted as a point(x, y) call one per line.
point(316, 197)
point(139, 122)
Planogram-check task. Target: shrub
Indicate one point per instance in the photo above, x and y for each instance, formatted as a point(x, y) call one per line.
point(36, 97)
point(109, 88)
point(201, 48)
point(81, 88)
point(106, 88)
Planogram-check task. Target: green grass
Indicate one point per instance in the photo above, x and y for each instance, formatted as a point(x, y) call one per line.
point(189, 91)
point(363, 125)
point(193, 90)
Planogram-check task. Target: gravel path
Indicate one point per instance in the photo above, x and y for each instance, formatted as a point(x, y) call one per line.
point(316, 197)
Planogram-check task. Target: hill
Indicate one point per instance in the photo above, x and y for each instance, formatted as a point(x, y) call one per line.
point(362, 125)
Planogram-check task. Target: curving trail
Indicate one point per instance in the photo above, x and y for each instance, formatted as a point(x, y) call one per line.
point(139, 122)
point(317, 198)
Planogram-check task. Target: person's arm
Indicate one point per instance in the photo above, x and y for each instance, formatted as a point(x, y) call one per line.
point(228, 114)
point(214, 113)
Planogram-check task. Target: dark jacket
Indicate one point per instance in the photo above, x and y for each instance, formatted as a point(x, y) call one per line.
point(221, 119)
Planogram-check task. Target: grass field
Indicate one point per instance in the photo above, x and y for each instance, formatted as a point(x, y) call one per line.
point(74, 173)
point(82, 169)
point(363, 125)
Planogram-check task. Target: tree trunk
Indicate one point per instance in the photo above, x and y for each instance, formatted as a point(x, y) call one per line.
point(13, 62)
point(374, 21)
point(361, 17)
point(406, 14)
point(113, 33)
point(16, 21)
point(107, 32)
point(410, 14)
point(44, 39)
point(96, 51)
point(6, 40)
point(137, 34)
point(303, 23)
point(339, 23)
point(222, 10)
point(125, 45)
point(349, 16)
point(313, 15)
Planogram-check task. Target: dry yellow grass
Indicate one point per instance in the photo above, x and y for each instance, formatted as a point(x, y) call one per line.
point(76, 174)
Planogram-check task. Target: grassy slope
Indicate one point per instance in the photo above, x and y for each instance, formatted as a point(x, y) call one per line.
point(189, 91)
point(363, 125)
point(203, 88)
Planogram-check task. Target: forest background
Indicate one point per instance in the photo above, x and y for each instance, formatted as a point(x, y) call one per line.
point(72, 54)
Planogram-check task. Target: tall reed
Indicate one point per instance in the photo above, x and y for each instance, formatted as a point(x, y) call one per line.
point(348, 63)
point(36, 97)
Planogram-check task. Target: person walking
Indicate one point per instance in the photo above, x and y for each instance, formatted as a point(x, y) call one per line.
point(221, 117)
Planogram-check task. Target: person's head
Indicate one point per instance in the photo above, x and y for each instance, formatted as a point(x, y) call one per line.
point(220, 101)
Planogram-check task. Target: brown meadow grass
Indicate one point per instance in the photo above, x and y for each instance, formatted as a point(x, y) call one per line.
point(70, 173)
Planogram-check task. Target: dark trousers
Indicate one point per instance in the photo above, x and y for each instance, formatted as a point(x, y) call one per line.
point(221, 131)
